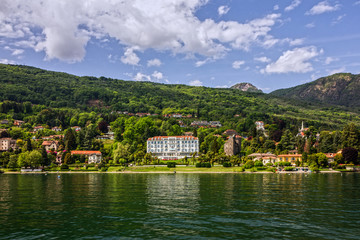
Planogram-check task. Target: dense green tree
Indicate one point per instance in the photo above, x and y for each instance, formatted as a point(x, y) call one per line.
point(70, 140)
point(350, 155)
point(350, 136)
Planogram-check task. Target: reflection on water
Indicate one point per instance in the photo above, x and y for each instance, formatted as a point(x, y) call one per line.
point(299, 206)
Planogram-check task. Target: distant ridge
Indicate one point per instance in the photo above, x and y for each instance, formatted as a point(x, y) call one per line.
point(246, 87)
point(339, 89)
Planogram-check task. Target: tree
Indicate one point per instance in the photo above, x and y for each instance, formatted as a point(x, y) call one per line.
point(28, 145)
point(45, 159)
point(23, 160)
point(350, 136)
point(103, 126)
point(121, 151)
point(70, 140)
point(13, 162)
point(350, 155)
point(34, 159)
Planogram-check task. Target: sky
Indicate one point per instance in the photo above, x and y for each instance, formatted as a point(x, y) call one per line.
point(212, 43)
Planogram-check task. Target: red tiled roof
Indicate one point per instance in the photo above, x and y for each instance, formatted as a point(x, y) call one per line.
point(166, 137)
point(85, 152)
point(48, 143)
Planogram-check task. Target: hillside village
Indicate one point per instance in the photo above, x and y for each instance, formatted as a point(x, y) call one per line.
point(98, 145)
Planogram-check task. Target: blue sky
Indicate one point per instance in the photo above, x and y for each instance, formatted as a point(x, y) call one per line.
point(271, 44)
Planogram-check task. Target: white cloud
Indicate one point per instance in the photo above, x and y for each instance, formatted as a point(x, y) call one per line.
point(222, 86)
point(357, 3)
point(62, 29)
point(276, 7)
point(200, 63)
point(263, 59)
point(154, 77)
point(222, 10)
point(130, 57)
point(329, 60)
point(154, 62)
point(15, 52)
point(196, 83)
point(237, 64)
point(338, 70)
point(296, 60)
point(338, 19)
point(157, 75)
point(310, 25)
point(293, 5)
point(7, 61)
point(322, 7)
point(142, 77)
point(298, 41)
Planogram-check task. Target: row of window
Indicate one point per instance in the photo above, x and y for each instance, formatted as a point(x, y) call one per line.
point(161, 142)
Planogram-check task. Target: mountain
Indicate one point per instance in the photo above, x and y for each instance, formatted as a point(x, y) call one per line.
point(237, 109)
point(339, 89)
point(246, 87)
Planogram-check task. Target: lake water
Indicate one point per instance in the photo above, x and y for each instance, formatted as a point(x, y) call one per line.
point(180, 206)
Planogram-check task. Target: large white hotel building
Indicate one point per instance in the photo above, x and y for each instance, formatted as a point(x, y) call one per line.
point(172, 147)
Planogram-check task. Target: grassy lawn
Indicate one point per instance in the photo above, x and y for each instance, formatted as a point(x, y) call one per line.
point(183, 169)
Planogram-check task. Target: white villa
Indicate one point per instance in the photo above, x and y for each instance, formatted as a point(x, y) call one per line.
point(172, 147)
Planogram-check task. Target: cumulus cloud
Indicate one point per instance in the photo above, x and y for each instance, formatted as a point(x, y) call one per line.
point(15, 52)
point(263, 59)
point(338, 70)
point(154, 77)
point(310, 25)
point(157, 75)
point(7, 61)
point(62, 29)
point(322, 7)
point(196, 83)
point(154, 62)
point(329, 60)
point(296, 60)
point(130, 57)
point(293, 5)
point(142, 77)
point(222, 10)
point(237, 64)
point(276, 7)
point(203, 62)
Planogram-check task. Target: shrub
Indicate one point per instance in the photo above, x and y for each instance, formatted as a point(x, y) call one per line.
point(249, 164)
point(261, 168)
point(269, 164)
point(258, 163)
point(103, 169)
point(64, 167)
point(203, 165)
point(289, 168)
point(253, 169)
point(171, 164)
point(226, 164)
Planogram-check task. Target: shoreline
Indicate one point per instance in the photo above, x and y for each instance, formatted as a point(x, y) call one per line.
point(170, 172)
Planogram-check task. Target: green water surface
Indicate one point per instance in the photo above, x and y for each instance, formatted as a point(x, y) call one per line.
point(180, 206)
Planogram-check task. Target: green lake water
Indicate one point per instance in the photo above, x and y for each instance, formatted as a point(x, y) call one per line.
point(180, 206)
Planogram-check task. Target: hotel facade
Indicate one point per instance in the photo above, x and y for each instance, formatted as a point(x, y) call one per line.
point(172, 147)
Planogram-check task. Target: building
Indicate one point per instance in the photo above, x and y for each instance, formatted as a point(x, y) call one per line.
point(4, 121)
point(292, 158)
point(56, 129)
point(233, 145)
point(7, 143)
point(215, 124)
point(230, 132)
point(76, 128)
point(18, 123)
point(93, 156)
point(264, 157)
point(260, 125)
point(38, 128)
point(302, 130)
point(172, 147)
point(51, 145)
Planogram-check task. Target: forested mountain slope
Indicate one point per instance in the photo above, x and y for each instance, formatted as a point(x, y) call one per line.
point(341, 89)
point(59, 90)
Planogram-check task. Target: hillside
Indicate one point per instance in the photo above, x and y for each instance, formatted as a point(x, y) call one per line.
point(340, 89)
point(59, 90)
point(246, 87)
